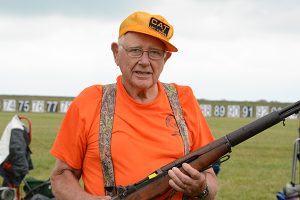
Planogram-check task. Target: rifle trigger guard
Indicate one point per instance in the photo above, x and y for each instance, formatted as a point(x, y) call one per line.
point(224, 158)
point(220, 160)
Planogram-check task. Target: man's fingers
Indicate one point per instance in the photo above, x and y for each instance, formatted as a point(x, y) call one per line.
point(175, 186)
point(190, 181)
point(193, 173)
point(179, 179)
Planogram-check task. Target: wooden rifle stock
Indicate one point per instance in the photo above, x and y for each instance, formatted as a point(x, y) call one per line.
point(157, 183)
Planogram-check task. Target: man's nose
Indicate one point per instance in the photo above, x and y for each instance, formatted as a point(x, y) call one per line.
point(145, 58)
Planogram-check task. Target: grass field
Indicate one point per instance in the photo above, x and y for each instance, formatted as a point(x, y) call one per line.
point(257, 169)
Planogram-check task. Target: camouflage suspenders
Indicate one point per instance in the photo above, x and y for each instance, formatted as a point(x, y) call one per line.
point(106, 123)
point(177, 111)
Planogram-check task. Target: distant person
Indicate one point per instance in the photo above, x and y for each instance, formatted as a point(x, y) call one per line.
point(141, 126)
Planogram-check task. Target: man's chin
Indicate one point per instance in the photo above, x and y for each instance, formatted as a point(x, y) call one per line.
point(146, 84)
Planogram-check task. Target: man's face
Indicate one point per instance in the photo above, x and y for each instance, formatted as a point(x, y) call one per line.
point(139, 73)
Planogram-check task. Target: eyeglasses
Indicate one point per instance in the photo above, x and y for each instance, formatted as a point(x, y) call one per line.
point(136, 52)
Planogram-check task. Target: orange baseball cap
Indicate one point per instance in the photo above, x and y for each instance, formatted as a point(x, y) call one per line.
point(154, 25)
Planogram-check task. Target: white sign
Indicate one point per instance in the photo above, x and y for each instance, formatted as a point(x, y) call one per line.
point(247, 111)
point(261, 111)
point(294, 116)
point(233, 111)
point(64, 106)
point(9, 105)
point(219, 111)
point(206, 109)
point(24, 106)
point(52, 106)
point(38, 106)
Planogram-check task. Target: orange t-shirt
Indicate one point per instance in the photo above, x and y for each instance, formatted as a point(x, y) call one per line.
point(145, 136)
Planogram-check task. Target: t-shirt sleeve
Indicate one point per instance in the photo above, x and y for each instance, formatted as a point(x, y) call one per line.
point(199, 132)
point(69, 144)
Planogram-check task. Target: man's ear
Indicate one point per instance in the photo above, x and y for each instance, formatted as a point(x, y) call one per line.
point(115, 50)
point(167, 56)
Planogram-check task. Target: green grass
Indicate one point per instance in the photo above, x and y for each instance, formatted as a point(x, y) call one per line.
point(258, 168)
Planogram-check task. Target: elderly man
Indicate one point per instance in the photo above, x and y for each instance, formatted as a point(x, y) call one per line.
point(118, 134)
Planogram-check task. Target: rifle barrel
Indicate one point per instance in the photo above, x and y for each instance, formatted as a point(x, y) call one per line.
point(261, 124)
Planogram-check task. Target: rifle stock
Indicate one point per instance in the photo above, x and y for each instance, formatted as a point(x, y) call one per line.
point(157, 183)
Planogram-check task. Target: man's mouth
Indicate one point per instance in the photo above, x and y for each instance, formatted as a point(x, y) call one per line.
point(142, 73)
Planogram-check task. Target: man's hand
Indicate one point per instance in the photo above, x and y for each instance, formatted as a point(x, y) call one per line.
point(193, 183)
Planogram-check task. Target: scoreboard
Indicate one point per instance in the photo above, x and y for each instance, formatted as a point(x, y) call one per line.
point(209, 108)
point(36, 106)
point(244, 110)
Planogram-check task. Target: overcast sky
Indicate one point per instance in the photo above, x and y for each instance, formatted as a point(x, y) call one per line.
point(228, 49)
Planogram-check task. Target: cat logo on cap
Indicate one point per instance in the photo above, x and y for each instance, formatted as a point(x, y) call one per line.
point(159, 26)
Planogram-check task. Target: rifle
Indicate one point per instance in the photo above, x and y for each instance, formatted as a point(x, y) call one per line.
point(157, 183)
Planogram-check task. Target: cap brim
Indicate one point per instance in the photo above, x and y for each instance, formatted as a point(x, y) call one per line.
point(169, 47)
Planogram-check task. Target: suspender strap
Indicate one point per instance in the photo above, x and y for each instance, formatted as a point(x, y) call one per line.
point(106, 123)
point(177, 111)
